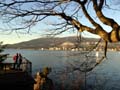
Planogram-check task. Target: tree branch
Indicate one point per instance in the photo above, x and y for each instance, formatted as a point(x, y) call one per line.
point(100, 15)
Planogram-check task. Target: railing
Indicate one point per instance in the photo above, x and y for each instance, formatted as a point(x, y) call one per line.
point(25, 66)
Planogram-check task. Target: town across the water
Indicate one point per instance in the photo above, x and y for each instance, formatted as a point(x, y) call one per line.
point(66, 43)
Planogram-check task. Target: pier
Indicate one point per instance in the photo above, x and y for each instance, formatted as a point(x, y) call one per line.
point(16, 79)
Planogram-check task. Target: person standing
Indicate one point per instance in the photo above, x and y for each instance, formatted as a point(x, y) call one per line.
point(43, 82)
point(37, 81)
point(19, 61)
point(46, 82)
point(15, 58)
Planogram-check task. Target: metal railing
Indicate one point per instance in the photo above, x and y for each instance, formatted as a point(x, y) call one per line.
point(25, 66)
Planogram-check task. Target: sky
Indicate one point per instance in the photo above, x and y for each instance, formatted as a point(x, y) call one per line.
point(10, 38)
point(17, 37)
point(14, 38)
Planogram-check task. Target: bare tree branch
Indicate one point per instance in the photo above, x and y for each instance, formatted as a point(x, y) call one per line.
point(104, 19)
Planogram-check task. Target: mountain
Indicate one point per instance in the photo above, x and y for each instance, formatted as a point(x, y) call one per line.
point(47, 42)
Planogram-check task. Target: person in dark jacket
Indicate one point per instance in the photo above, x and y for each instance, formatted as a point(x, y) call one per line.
point(19, 61)
point(44, 82)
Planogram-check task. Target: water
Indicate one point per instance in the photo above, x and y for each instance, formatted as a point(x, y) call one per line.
point(40, 59)
point(106, 74)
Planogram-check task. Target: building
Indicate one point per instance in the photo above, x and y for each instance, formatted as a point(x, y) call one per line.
point(67, 45)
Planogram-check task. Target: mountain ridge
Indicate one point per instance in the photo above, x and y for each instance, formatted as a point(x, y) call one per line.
point(48, 42)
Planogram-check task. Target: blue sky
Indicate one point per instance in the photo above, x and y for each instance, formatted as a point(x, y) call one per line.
point(18, 37)
point(39, 31)
point(14, 38)
point(9, 37)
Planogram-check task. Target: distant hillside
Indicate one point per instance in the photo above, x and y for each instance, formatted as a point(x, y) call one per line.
point(47, 42)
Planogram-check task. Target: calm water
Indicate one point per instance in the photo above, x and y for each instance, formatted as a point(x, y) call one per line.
point(107, 74)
